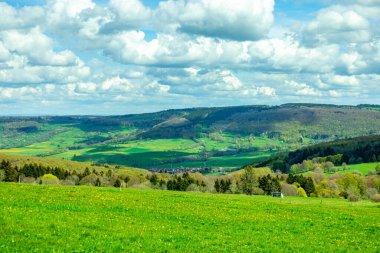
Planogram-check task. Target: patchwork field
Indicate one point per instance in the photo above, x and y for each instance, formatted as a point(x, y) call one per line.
point(220, 138)
point(363, 168)
point(115, 147)
point(41, 218)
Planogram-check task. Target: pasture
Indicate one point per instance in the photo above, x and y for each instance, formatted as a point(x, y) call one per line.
point(363, 168)
point(117, 147)
point(39, 218)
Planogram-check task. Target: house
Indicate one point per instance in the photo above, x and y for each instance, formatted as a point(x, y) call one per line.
point(277, 194)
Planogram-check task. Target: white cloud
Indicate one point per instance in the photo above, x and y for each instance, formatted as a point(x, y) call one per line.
point(288, 55)
point(142, 87)
point(247, 20)
point(126, 15)
point(65, 12)
point(4, 53)
point(338, 80)
point(21, 93)
point(166, 50)
point(267, 91)
point(200, 82)
point(11, 18)
point(353, 62)
point(201, 52)
point(338, 25)
point(302, 88)
point(185, 51)
point(335, 93)
point(37, 47)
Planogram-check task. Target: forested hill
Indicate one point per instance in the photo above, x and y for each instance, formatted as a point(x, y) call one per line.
point(227, 137)
point(288, 122)
point(350, 151)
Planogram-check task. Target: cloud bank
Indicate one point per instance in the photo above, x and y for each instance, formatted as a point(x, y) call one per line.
point(129, 56)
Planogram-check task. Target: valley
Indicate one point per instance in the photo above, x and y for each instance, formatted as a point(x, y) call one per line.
point(210, 140)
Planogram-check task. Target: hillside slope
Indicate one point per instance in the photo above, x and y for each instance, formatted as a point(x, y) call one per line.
point(365, 149)
point(197, 137)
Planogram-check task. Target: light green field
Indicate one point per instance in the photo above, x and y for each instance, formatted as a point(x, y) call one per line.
point(19, 161)
point(363, 168)
point(37, 218)
point(75, 144)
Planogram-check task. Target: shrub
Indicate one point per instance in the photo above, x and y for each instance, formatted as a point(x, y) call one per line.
point(89, 180)
point(49, 179)
point(301, 192)
point(288, 189)
point(192, 188)
point(68, 182)
point(2, 175)
point(354, 198)
point(378, 168)
point(371, 192)
point(257, 191)
point(371, 173)
point(28, 180)
point(376, 198)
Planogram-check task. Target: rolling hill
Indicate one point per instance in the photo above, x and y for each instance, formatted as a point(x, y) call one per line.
point(358, 150)
point(226, 137)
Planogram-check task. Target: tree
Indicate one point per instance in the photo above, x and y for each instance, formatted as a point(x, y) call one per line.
point(328, 166)
point(217, 186)
point(378, 169)
point(294, 169)
point(153, 179)
point(98, 183)
point(180, 183)
point(309, 186)
point(86, 172)
point(225, 185)
point(248, 180)
point(117, 183)
point(306, 183)
point(10, 173)
point(269, 184)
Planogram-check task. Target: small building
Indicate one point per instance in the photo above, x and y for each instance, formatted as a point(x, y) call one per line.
point(277, 195)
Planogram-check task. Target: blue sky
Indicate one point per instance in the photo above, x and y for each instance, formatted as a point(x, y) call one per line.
point(131, 56)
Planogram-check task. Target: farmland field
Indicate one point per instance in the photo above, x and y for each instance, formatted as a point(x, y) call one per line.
point(363, 168)
point(41, 218)
point(225, 137)
point(72, 143)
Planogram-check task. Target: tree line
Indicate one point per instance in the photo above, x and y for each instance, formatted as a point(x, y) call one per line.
point(250, 181)
point(349, 151)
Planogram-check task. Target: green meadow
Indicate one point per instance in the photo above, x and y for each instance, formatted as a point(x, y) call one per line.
point(118, 147)
point(39, 218)
point(363, 168)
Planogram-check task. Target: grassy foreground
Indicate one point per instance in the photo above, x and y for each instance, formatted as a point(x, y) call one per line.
point(37, 218)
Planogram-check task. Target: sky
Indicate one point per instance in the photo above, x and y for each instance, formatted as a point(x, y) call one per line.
point(66, 57)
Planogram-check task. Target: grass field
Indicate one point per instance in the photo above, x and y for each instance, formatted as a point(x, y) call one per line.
point(363, 168)
point(37, 218)
point(18, 160)
point(112, 147)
